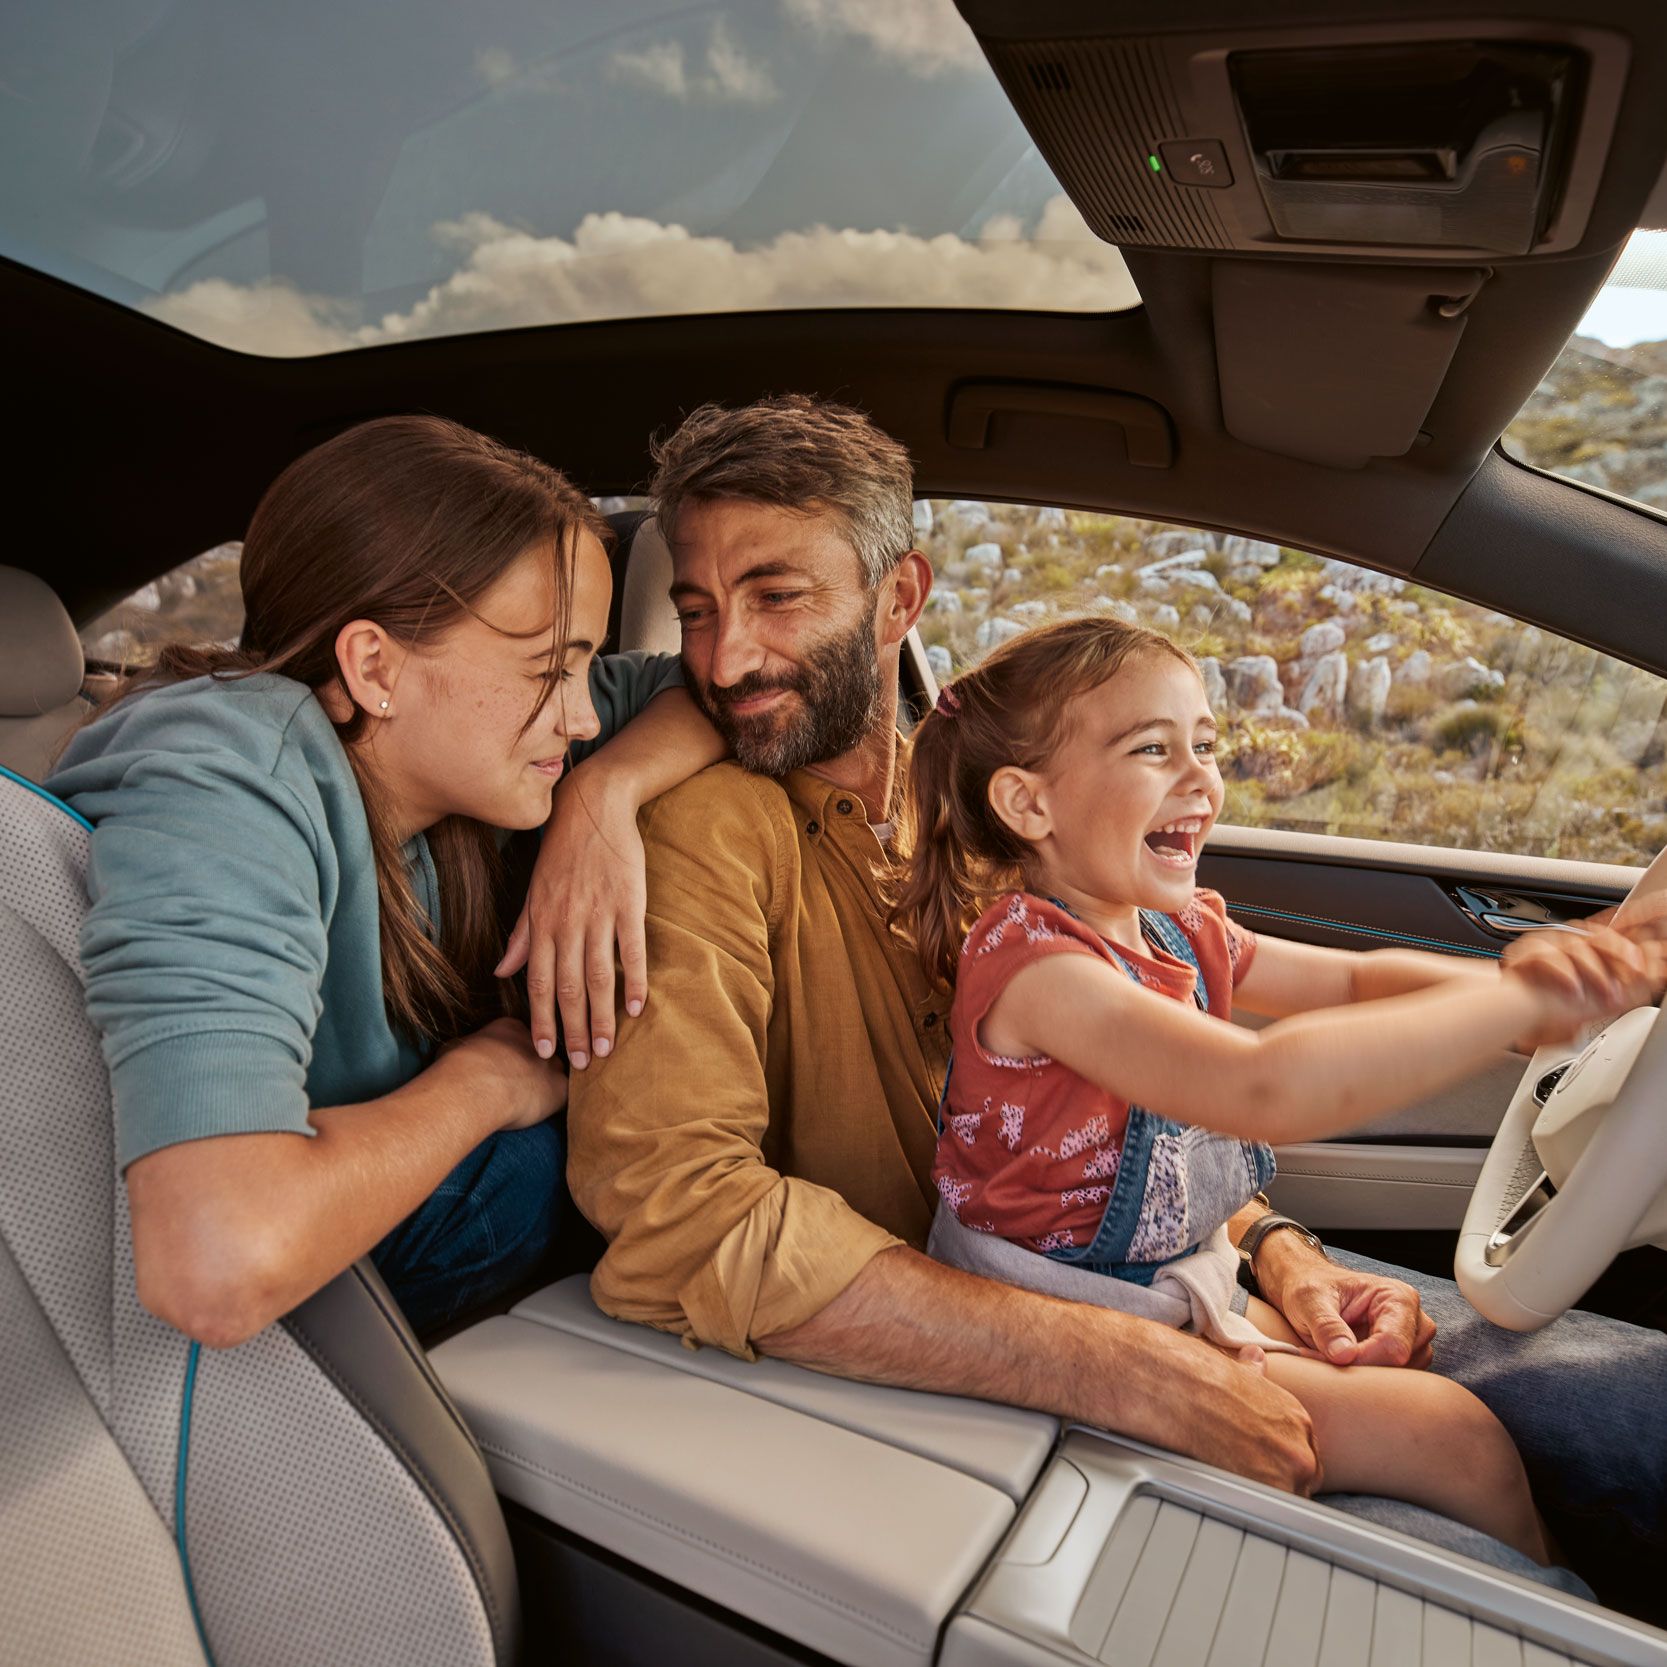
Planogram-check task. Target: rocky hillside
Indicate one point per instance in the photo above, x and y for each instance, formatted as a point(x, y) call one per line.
point(1354, 703)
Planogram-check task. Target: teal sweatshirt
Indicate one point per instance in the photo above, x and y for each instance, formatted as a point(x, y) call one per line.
point(232, 949)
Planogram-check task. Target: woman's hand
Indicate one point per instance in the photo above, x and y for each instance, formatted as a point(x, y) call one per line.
point(1580, 976)
point(587, 893)
point(507, 1074)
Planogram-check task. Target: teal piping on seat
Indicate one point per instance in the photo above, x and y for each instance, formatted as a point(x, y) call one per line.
point(191, 1358)
point(192, 1354)
point(1365, 931)
point(51, 798)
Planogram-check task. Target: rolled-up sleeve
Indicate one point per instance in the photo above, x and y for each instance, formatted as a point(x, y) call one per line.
point(667, 1136)
point(204, 949)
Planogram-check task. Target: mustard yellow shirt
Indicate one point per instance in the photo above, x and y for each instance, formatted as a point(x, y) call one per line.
point(767, 1124)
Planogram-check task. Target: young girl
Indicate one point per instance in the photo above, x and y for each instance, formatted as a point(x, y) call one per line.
point(1101, 1124)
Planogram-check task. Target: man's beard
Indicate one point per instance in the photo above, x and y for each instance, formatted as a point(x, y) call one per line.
point(839, 687)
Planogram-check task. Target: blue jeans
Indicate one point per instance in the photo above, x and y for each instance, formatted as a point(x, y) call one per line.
point(485, 1228)
point(1585, 1400)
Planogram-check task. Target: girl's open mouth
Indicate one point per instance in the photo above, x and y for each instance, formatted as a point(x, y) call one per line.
point(1175, 844)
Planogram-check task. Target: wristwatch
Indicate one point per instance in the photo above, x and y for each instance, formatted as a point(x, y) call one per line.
point(1258, 1230)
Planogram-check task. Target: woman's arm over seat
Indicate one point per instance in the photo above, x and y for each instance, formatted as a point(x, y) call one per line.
point(232, 1232)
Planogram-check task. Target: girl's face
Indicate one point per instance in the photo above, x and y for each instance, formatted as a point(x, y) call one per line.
point(457, 742)
point(1130, 797)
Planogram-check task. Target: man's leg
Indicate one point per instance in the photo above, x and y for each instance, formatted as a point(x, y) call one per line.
point(1585, 1400)
point(486, 1226)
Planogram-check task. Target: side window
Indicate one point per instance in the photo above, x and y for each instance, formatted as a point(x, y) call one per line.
point(1352, 702)
point(199, 602)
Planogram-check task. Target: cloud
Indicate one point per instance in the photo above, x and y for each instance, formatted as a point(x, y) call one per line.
point(726, 75)
point(622, 266)
point(928, 37)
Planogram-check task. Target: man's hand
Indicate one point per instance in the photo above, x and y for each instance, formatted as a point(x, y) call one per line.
point(913, 1322)
point(587, 892)
point(1347, 1317)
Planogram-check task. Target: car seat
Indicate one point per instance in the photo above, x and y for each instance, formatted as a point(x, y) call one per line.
point(41, 670)
point(311, 1496)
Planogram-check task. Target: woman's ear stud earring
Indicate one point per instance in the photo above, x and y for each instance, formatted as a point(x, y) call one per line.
point(384, 706)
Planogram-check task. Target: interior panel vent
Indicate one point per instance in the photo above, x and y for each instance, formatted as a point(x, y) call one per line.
point(1096, 123)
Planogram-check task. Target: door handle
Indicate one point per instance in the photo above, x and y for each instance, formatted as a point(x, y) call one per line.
point(1506, 914)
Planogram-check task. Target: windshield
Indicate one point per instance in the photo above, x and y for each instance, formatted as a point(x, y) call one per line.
point(327, 174)
point(1600, 415)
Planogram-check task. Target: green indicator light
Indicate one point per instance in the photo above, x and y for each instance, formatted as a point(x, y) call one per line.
point(1155, 165)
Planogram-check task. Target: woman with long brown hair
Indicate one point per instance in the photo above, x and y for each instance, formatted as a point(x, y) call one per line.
point(296, 880)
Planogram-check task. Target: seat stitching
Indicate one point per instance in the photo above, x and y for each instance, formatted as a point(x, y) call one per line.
point(1364, 931)
point(718, 1546)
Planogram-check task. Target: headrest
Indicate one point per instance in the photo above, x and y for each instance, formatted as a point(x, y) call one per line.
point(647, 619)
point(41, 666)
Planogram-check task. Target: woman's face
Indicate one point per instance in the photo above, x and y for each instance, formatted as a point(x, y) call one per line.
point(457, 741)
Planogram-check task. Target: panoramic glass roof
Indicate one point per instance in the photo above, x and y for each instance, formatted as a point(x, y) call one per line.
point(314, 175)
point(1600, 415)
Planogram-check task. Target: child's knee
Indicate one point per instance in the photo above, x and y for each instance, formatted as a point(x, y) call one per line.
point(1464, 1425)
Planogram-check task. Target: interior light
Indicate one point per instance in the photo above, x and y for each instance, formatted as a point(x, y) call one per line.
point(1155, 165)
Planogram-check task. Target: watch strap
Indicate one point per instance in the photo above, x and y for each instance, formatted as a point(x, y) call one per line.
point(1272, 1222)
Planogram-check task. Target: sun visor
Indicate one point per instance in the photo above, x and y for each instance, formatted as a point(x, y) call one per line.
point(1332, 364)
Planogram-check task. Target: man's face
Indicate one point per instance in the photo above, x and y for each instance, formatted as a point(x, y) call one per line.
point(779, 642)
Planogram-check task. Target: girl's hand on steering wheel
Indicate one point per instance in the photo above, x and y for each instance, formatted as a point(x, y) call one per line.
point(1581, 976)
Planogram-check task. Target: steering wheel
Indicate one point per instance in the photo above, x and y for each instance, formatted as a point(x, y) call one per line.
point(1578, 1170)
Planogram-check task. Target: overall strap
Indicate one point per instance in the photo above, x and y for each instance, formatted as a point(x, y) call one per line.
point(1164, 932)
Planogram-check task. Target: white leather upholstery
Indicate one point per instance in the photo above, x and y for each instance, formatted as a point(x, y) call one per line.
point(849, 1518)
point(41, 668)
point(1003, 1446)
point(647, 620)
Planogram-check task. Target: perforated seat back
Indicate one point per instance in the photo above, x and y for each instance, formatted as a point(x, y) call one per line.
point(313, 1489)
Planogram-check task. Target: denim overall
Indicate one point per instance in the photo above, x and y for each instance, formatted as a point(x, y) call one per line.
point(1201, 1179)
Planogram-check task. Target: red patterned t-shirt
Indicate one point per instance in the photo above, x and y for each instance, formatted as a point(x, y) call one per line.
point(1029, 1149)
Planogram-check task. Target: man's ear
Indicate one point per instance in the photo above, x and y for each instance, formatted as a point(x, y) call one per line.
point(904, 596)
point(1019, 798)
point(370, 662)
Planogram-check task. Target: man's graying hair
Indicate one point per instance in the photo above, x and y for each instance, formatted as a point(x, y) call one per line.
point(798, 453)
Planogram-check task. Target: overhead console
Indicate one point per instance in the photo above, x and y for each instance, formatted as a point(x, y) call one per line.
point(1478, 140)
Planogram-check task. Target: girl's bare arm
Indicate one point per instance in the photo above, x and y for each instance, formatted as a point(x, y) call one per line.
point(1301, 1078)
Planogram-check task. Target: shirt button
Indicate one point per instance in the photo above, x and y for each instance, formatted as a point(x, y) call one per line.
point(844, 807)
point(813, 828)
point(931, 1020)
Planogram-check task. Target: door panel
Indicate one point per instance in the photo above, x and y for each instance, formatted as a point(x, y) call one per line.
point(1415, 1167)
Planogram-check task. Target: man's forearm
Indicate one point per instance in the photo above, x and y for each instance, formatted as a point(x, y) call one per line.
point(908, 1321)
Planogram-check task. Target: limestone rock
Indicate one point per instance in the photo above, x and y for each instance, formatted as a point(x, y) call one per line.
point(1215, 684)
point(1249, 552)
point(1325, 638)
point(1369, 691)
point(938, 658)
point(997, 630)
point(986, 556)
point(1165, 618)
point(944, 602)
point(1325, 688)
point(1470, 677)
point(1253, 683)
point(1415, 668)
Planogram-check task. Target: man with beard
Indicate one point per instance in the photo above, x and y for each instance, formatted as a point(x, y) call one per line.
point(757, 1150)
